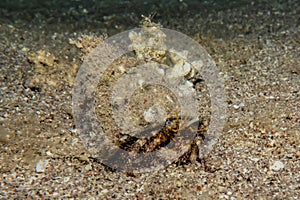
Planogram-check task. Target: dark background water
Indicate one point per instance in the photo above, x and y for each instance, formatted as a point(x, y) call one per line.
point(110, 14)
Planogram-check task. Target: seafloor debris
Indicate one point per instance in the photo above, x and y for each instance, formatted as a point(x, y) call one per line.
point(48, 71)
point(86, 43)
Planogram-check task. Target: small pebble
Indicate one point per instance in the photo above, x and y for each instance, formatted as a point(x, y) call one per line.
point(236, 106)
point(4, 135)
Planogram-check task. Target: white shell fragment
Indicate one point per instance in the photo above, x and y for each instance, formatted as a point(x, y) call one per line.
point(41, 166)
point(277, 165)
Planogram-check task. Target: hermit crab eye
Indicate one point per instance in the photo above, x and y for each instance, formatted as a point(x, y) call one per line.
point(199, 117)
point(169, 123)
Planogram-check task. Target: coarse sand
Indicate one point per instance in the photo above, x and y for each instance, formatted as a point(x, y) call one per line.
point(255, 44)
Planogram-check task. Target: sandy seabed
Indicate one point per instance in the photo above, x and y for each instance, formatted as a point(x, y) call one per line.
point(256, 46)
